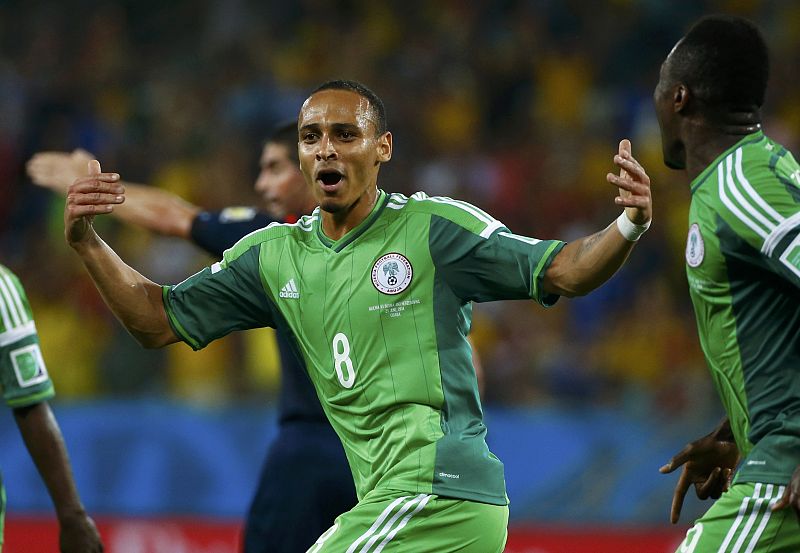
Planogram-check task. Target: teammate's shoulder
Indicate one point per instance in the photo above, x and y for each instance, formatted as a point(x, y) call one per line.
point(456, 211)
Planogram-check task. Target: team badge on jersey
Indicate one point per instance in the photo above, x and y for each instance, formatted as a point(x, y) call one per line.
point(28, 365)
point(695, 247)
point(392, 273)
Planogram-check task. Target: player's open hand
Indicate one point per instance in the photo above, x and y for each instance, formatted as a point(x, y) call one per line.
point(78, 534)
point(94, 194)
point(708, 463)
point(633, 184)
point(791, 496)
point(57, 170)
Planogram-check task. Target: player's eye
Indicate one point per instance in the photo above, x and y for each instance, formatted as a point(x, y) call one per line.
point(308, 137)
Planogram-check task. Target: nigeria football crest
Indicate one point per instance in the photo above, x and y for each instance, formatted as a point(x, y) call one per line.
point(695, 247)
point(392, 273)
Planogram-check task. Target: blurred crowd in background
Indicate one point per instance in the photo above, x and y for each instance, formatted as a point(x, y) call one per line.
point(516, 106)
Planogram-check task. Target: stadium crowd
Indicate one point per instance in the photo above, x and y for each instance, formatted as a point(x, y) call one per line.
point(516, 106)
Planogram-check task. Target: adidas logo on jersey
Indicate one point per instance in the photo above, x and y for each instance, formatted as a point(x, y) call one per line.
point(289, 290)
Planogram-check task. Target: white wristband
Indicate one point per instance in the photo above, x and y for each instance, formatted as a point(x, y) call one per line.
point(630, 230)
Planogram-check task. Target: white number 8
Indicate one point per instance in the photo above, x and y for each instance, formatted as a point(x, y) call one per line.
point(343, 358)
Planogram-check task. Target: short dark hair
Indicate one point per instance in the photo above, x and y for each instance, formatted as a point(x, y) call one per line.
point(353, 86)
point(285, 134)
point(724, 60)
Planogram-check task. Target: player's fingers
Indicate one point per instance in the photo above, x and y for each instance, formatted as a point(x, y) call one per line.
point(75, 211)
point(94, 167)
point(638, 188)
point(705, 489)
point(632, 168)
point(677, 498)
point(677, 460)
point(96, 198)
point(102, 182)
point(624, 147)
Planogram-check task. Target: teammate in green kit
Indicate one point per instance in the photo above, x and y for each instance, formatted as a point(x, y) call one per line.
point(26, 387)
point(375, 291)
point(743, 267)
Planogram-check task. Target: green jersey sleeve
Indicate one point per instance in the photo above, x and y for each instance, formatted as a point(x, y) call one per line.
point(761, 202)
point(23, 374)
point(220, 299)
point(496, 265)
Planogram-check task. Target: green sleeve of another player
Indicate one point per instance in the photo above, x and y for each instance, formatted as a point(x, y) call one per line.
point(762, 203)
point(23, 375)
point(502, 266)
point(220, 299)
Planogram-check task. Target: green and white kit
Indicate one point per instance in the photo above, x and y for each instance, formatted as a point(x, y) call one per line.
point(380, 319)
point(743, 268)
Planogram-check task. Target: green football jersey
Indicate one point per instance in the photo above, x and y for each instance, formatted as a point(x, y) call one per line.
point(380, 319)
point(23, 375)
point(743, 267)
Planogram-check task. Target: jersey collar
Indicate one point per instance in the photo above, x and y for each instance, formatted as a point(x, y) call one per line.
point(354, 233)
point(701, 178)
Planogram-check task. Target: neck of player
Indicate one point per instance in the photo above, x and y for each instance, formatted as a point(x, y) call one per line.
point(338, 223)
point(707, 140)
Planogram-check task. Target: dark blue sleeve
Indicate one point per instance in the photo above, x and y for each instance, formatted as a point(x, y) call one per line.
point(216, 231)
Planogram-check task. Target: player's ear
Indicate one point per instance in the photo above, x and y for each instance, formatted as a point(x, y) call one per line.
point(385, 147)
point(680, 97)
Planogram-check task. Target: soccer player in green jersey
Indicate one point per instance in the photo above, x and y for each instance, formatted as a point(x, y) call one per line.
point(743, 267)
point(375, 290)
point(26, 387)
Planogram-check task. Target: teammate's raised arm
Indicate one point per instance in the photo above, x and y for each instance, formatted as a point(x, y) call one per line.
point(147, 206)
point(586, 263)
point(135, 300)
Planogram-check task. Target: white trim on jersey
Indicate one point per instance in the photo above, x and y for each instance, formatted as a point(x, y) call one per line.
point(11, 316)
point(752, 192)
point(778, 233)
point(764, 521)
point(527, 240)
point(785, 255)
point(376, 524)
point(17, 299)
point(754, 514)
point(492, 224)
point(738, 521)
point(402, 524)
point(726, 176)
point(746, 205)
point(17, 333)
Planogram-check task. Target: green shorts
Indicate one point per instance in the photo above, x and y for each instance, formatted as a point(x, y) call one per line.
point(740, 521)
point(390, 521)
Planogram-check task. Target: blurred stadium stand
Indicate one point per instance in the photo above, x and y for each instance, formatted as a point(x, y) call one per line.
point(515, 105)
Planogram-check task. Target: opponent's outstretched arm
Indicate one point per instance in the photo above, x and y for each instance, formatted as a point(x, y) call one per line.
point(147, 206)
point(586, 263)
point(135, 300)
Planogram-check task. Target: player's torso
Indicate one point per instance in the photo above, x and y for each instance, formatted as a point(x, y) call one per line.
point(741, 307)
point(361, 313)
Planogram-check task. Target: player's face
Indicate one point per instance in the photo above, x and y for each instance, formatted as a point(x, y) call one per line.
point(668, 119)
point(280, 183)
point(340, 153)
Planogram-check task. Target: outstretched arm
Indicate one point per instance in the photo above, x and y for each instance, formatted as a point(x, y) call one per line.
point(135, 300)
point(583, 265)
point(45, 444)
point(149, 207)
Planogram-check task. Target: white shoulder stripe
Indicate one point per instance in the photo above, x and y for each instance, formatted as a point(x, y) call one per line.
point(779, 232)
point(785, 256)
point(13, 316)
point(744, 202)
point(768, 209)
point(527, 240)
point(23, 313)
point(17, 334)
point(723, 177)
point(490, 228)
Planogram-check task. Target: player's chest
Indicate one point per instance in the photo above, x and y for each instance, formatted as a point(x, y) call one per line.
point(379, 277)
